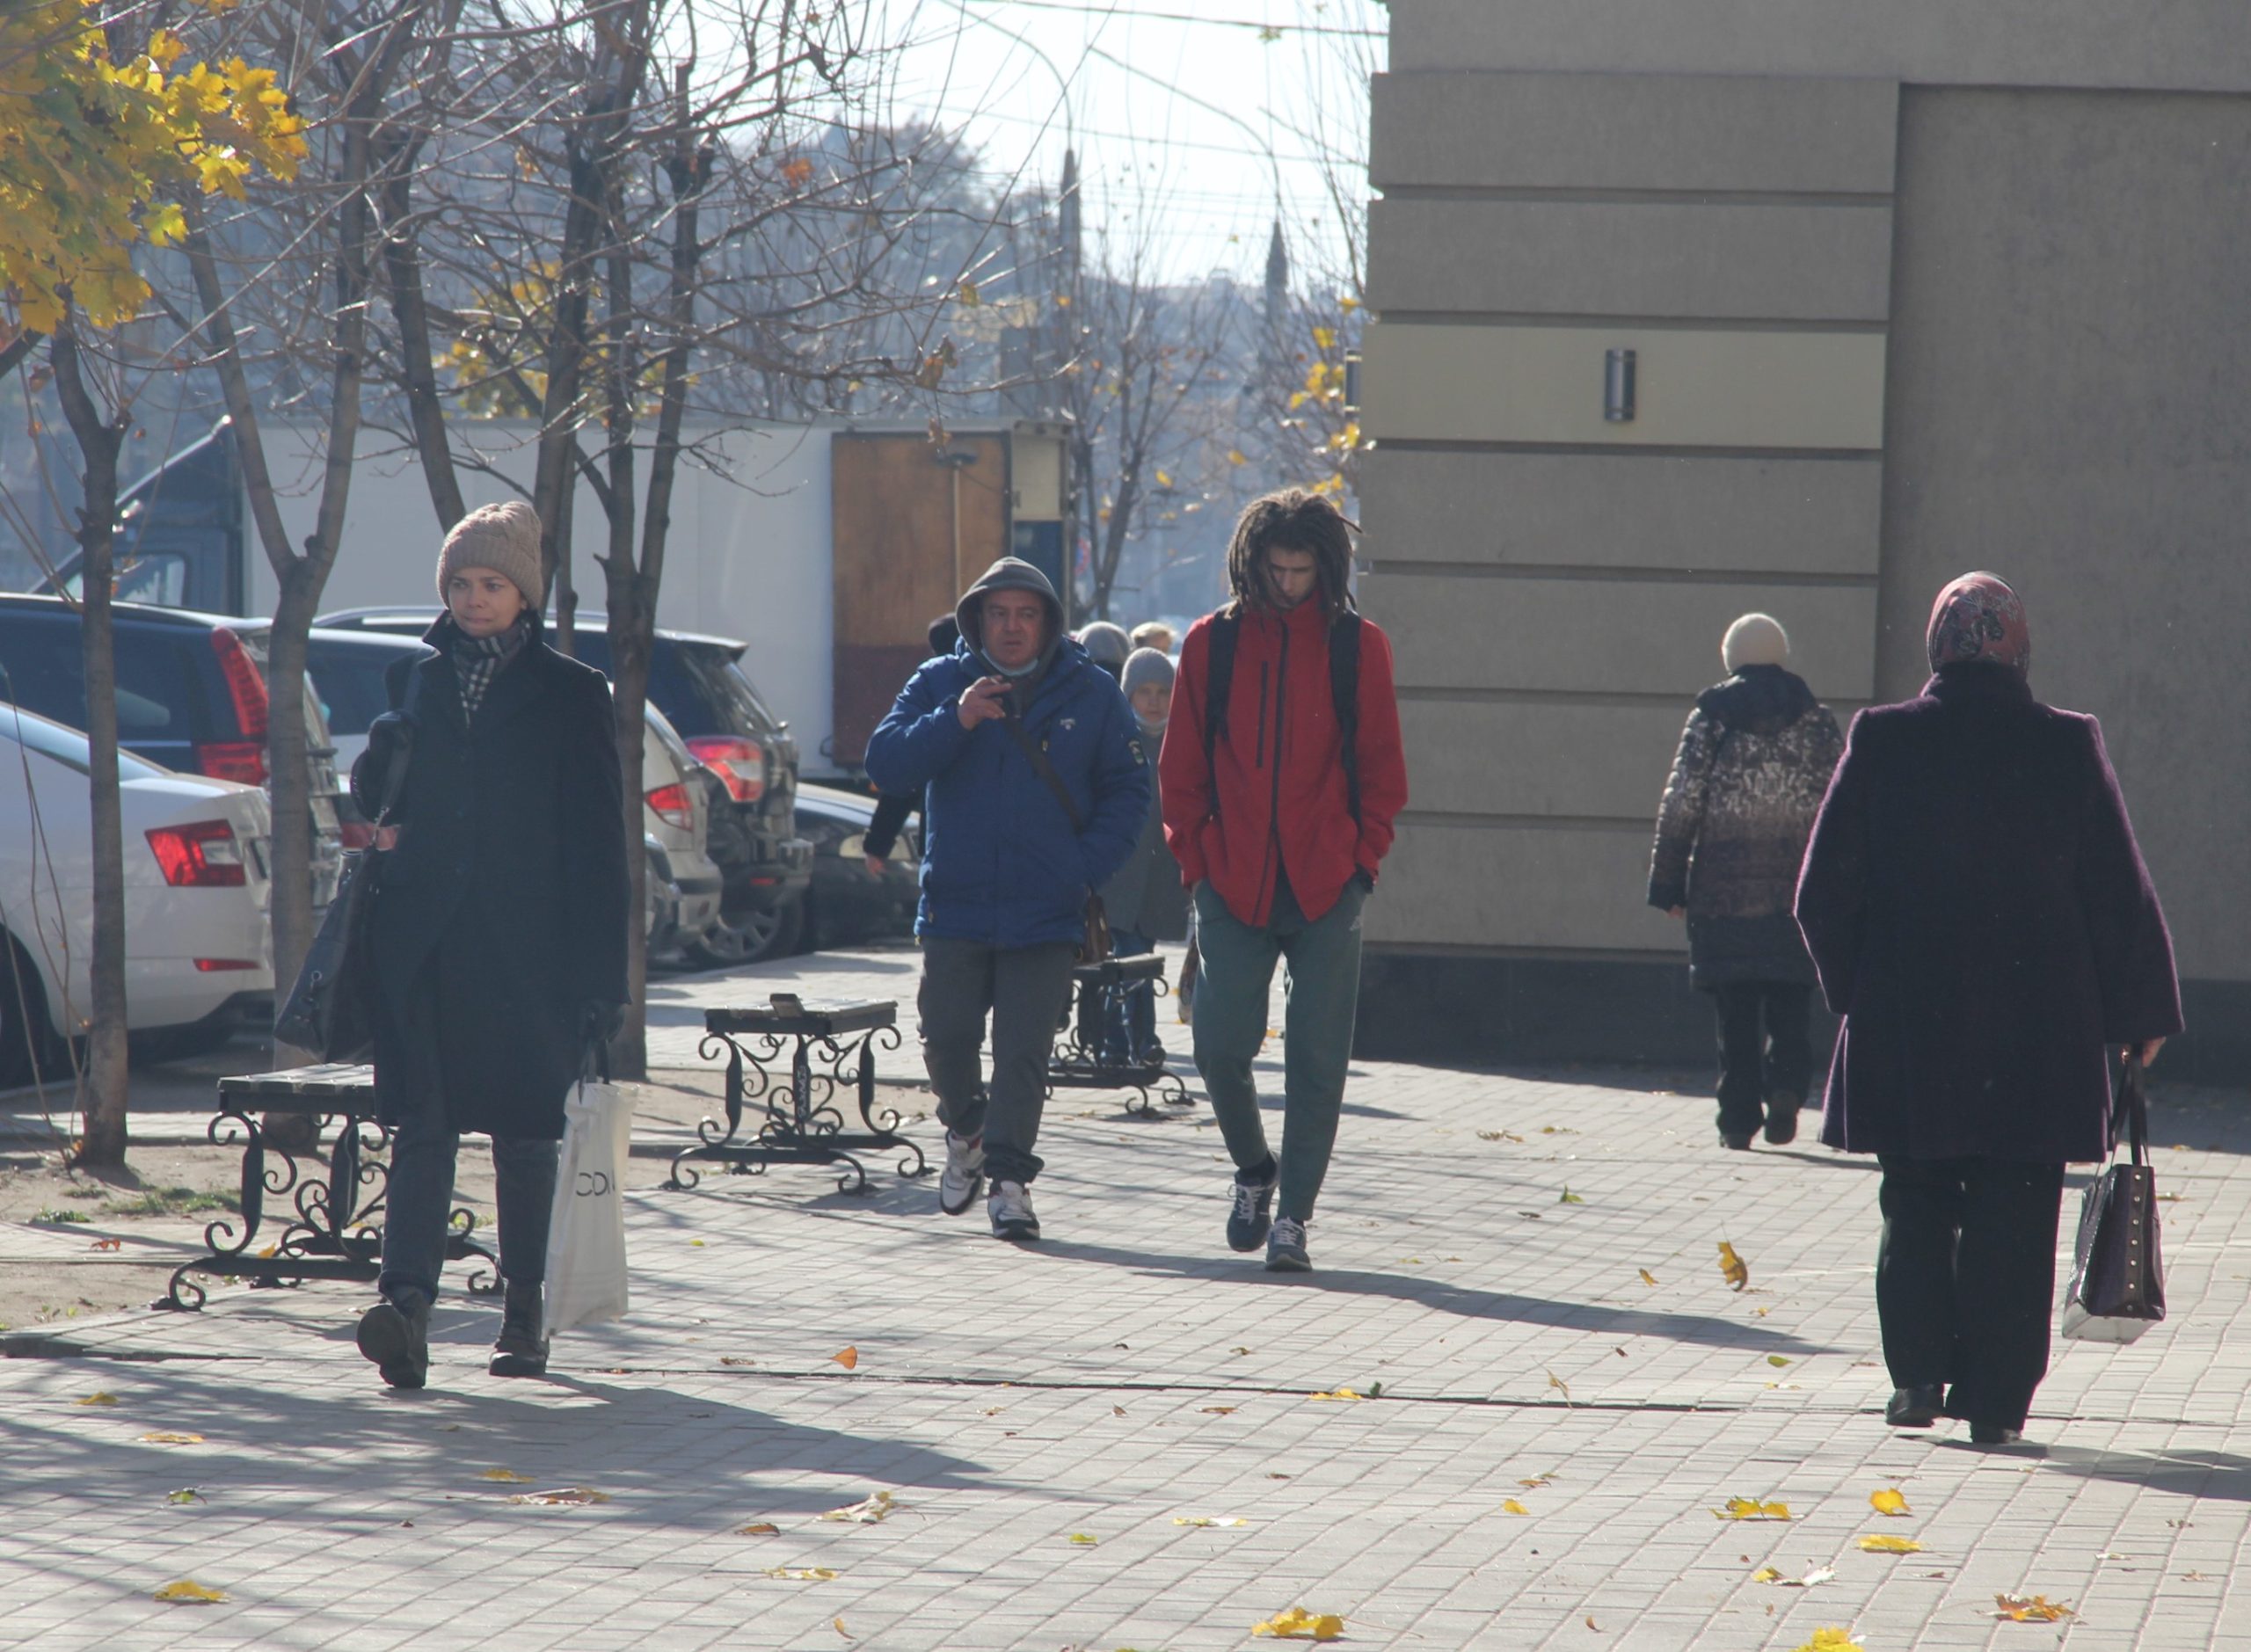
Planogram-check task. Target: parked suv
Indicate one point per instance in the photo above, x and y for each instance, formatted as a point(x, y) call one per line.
point(699, 684)
point(191, 697)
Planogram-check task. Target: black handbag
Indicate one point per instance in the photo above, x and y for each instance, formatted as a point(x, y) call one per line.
point(329, 1011)
point(1098, 942)
point(2117, 1285)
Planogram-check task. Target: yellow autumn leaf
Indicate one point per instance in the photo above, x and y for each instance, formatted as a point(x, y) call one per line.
point(1647, 1277)
point(1537, 1480)
point(188, 1591)
point(1510, 1505)
point(1164, 478)
point(848, 1357)
point(876, 1507)
point(2030, 1609)
point(1766, 1574)
point(508, 1475)
point(1236, 456)
point(1209, 1520)
point(1219, 1410)
point(1569, 1197)
point(759, 1529)
point(1339, 1393)
point(1348, 303)
point(1888, 1545)
point(1778, 1360)
point(803, 1574)
point(1751, 1509)
point(1298, 1623)
point(837, 1623)
point(165, 1437)
point(1085, 1540)
point(1555, 1381)
point(1889, 1500)
point(1324, 338)
point(968, 294)
point(99, 1397)
point(1833, 1640)
point(1733, 1269)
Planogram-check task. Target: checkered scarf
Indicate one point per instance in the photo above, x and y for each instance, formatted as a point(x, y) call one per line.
point(479, 659)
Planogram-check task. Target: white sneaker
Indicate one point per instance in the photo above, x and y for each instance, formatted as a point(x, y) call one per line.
point(1009, 1206)
point(963, 1174)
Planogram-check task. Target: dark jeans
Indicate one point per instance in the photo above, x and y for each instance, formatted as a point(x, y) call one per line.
point(420, 1197)
point(1765, 1046)
point(1964, 1277)
point(1027, 990)
point(1130, 1020)
point(1230, 1025)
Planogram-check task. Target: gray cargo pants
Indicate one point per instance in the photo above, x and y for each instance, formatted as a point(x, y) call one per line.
point(1026, 989)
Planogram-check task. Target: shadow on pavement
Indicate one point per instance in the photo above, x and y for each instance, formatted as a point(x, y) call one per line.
point(2215, 1476)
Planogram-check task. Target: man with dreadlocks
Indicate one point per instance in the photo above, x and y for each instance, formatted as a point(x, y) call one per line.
point(1281, 775)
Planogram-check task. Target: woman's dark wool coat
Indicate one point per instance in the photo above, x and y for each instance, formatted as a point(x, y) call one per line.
point(501, 913)
point(1980, 916)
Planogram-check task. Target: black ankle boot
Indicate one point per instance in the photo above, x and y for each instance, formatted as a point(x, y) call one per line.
point(1915, 1407)
point(521, 1349)
point(395, 1333)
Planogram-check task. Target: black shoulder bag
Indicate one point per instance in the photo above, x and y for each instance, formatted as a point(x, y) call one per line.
point(2117, 1285)
point(329, 1011)
point(1096, 945)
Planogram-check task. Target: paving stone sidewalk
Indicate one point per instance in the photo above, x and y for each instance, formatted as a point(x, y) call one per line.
point(1046, 1419)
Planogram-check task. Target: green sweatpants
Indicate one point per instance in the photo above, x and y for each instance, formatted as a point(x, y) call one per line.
point(1324, 990)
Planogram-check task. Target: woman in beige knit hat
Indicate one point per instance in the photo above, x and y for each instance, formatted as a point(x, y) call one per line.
point(497, 927)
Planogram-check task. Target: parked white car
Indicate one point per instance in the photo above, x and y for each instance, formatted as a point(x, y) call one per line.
point(199, 949)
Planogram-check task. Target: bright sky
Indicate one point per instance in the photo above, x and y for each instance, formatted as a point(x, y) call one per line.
point(1193, 119)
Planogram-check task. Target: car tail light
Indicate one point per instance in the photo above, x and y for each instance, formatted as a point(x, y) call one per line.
point(245, 683)
point(740, 763)
point(208, 966)
point(671, 805)
point(204, 855)
point(233, 760)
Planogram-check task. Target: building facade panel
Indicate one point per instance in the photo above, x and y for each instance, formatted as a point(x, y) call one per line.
point(1511, 758)
point(1515, 887)
point(1640, 259)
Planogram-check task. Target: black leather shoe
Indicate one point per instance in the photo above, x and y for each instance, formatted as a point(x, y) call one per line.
point(1915, 1407)
point(1994, 1434)
point(1735, 1143)
point(396, 1336)
point(522, 1350)
point(1782, 1118)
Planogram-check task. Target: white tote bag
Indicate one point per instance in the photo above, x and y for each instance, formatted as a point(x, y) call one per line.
point(585, 1242)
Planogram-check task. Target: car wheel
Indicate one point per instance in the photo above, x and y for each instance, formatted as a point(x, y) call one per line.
point(749, 937)
point(22, 1037)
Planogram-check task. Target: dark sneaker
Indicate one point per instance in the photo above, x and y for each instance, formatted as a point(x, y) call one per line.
point(521, 1349)
point(1009, 1206)
point(1246, 1222)
point(1994, 1434)
point(1285, 1251)
point(1916, 1407)
point(397, 1338)
point(1735, 1143)
point(963, 1173)
point(1782, 1116)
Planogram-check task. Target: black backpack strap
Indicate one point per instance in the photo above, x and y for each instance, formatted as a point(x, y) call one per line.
point(1344, 696)
point(1219, 679)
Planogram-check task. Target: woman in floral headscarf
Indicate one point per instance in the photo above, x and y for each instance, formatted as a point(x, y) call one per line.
point(1980, 917)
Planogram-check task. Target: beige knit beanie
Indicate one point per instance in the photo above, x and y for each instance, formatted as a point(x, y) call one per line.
point(502, 537)
point(1756, 639)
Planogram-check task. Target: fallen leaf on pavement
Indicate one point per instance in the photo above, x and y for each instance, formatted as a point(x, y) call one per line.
point(1569, 1197)
point(2030, 1609)
point(507, 1474)
point(99, 1397)
point(735, 1359)
point(186, 1494)
point(1536, 1481)
point(1209, 1520)
point(1833, 1640)
point(1339, 1393)
point(803, 1574)
point(1813, 1579)
point(874, 1507)
point(1298, 1623)
point(165, 1437)
point(1778, 1360)
point(1217, 1410)
point(1647, 1277)
point(562, 1497)
point(1238, 1350)
point(1557, 1130)
point(1733, 1269)
point(848, 1357)
point(1751, 1509)
point(118, 1244)
point(1118, 1410)
point(759, 1529)
point(1766, 1574)
point(1887, 1502)
point(1593, 1625)
point(1889, 1545)
point(1499, 1135)
point(1085, 1540)
point(1555, 1381)
point(837, 1623)
point(1510, 1505)
point(189, 1592)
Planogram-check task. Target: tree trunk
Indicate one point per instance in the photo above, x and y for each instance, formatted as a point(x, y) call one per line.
point(108, 1070)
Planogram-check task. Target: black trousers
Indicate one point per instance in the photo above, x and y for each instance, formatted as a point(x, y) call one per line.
point(1765, 1045)
point(1964, 1277)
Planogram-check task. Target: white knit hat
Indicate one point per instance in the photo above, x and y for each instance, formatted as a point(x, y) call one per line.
point(502, 537)
point(1756, 639)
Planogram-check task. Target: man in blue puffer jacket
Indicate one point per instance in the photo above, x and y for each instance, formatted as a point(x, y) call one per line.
point(1007, 864)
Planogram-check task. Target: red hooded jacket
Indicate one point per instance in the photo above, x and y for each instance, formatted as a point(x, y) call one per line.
point(1274, 792)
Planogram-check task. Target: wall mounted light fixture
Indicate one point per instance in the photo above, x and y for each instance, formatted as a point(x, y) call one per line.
point(1617, 376)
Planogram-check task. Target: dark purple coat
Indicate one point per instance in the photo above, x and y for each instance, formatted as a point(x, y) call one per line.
point(1981, 918)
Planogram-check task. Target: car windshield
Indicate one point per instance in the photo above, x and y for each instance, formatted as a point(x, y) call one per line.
point(68, 747)
point(717, 667)
point(352, 682)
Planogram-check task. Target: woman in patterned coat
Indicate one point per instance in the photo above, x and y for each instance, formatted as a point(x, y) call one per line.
point(1753, 764)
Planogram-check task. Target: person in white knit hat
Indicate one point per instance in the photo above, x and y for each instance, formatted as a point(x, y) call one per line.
point(497, 927)
point(1753, 764)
